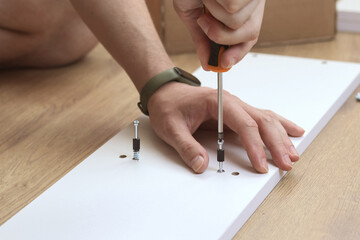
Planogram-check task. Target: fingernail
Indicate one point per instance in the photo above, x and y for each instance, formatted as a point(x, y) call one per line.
point(288, 161)
point(264, 166)
point(197, 163)
point(203, 24)
point(293, 151)
point(232, 63)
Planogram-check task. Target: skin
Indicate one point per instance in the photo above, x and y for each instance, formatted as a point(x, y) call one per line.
point(254, 126)
point(232, 22)
point(33, 41)
point(49, 33)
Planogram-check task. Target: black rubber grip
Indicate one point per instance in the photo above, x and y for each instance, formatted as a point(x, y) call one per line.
point(214, 53)
point(136, 144)
point(220, 155)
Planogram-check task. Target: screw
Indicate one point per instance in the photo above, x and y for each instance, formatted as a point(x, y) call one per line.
point(136, 142)
point(136, 124)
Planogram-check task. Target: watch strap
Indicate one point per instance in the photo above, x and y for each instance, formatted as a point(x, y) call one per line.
point(173, 74)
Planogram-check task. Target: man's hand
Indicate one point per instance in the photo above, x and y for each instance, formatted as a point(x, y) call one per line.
point(177, 110)
point(233, 22)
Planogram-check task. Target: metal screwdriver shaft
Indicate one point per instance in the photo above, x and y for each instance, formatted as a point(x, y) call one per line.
point(220, 151)
point(136, 142)
point(214, 64)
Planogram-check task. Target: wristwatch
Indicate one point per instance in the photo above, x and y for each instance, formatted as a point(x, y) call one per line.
point(173, 74)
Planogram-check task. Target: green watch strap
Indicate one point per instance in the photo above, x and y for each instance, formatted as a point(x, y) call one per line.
point(173, 74)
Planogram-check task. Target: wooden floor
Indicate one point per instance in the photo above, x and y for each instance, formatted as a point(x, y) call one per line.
point(51, 120)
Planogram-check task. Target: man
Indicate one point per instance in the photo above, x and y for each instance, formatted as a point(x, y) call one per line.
point(44, 33)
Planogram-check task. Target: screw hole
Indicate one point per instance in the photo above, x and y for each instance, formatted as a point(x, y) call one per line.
point(235, 173)
point(122, 156)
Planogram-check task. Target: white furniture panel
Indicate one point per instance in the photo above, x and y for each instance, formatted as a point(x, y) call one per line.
point(158, 197)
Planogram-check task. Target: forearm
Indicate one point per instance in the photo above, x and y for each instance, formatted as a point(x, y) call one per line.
point(126, 30)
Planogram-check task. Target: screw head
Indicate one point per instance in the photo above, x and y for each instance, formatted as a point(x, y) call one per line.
point(136, 122)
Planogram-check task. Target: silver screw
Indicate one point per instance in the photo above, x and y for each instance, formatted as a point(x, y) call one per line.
point(136, 142)
point(136, 124)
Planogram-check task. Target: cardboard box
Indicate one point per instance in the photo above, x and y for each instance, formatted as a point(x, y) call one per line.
point(297, 21)
point(176, 37)
point(285, 22)
point(348, 15)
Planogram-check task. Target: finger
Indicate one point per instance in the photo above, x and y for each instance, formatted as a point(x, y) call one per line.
point(272, 129)
point(274, 137)
point(198, 36)
point(232, 20)
point(191, 151)
point(202, 44)
point(203, 52)
point(235, 54)
point(232, 6)
point(202, 49)
point(221, 34)
point(242, 124)
point(292, 152)
point(291, 128)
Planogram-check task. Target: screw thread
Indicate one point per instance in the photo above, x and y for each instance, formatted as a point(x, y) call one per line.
point(136, 155)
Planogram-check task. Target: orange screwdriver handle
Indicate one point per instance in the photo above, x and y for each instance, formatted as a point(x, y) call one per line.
point(216, 52)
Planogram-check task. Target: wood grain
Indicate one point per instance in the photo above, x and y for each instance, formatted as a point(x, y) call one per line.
point(320, 197)
point(52, 119)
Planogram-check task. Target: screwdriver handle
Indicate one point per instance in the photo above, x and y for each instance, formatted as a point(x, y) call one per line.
point(216, 52)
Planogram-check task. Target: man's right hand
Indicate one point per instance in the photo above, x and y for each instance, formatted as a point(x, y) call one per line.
point(233, 22)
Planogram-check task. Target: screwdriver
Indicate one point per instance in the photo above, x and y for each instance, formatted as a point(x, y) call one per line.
point(214, 65)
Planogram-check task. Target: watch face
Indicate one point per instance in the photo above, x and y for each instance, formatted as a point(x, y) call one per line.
point(187, 75)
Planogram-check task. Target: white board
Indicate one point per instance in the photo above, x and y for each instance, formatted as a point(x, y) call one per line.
point(106, 197)
point(348, 15)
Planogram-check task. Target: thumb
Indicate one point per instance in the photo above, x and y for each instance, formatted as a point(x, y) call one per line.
point(191, 151)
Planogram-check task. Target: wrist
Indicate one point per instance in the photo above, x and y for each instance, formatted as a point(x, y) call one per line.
point(161, 95)
point(168, 76)
point(152, 72)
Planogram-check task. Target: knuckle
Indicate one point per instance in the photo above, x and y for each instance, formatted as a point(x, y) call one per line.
point(269, 112)
point(231, 6)
point(250, 123)
point(235, 25)
point(168, 125)
point(254, 41)
point(254, 34)
point(289, 145)
point(266, 118)
point(215, 35)
point(185, 148)
point(277, 146)
point(236, 22)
